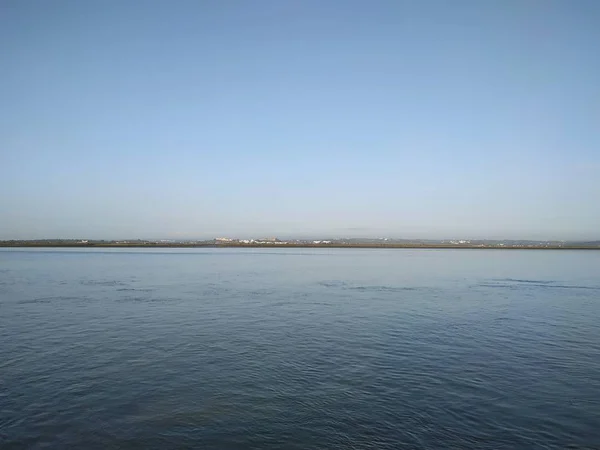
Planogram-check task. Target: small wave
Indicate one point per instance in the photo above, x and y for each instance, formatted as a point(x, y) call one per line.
point(518, 280)
point(48, 299)
point(279, 303)
point(564, 286)
point(103, 283)
point(143, 299)
point(133, 299)
point(135, 289)
point(371, 288)
point(261, 292)
point(382, 288)
point(498, 285)
point(332, 284)
point(533, 284)
point(502, 319)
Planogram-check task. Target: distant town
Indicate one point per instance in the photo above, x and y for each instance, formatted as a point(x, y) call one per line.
point(324, 243)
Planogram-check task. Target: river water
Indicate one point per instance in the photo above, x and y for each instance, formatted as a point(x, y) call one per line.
point(299, 349)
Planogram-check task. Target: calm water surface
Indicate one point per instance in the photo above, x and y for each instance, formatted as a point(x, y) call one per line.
point(315, 348)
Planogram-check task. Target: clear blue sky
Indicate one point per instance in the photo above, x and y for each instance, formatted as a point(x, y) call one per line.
point(189, 119)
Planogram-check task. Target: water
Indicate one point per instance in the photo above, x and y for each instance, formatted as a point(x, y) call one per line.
point(292, 348)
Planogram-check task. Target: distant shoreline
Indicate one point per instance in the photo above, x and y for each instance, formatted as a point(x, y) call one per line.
point(366, 246)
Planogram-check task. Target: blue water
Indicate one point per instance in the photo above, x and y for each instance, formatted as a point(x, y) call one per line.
point(293, 348)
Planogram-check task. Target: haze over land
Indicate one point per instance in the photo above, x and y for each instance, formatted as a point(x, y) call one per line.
point(190, 120)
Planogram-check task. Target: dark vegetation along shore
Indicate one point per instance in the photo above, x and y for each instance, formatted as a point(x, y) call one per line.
point(275, 243)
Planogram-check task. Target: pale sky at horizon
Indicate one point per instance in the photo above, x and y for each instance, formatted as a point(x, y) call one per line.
point(403, 119)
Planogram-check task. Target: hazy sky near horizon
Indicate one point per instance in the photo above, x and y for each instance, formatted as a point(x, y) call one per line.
point(190, 119)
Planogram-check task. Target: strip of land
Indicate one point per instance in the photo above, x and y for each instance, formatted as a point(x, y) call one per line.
point(496, 245)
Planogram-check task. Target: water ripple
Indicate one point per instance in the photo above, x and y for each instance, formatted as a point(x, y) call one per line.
point(377, 350)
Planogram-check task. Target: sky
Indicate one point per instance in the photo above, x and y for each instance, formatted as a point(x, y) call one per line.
point(402, 119)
